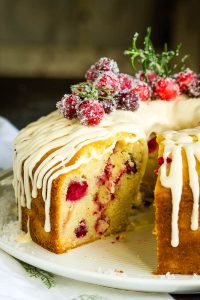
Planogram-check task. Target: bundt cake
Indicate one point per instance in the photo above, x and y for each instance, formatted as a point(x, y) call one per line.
point(79, 171)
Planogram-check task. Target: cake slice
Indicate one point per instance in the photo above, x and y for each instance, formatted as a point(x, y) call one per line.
point(91, 197)
point(177, 202)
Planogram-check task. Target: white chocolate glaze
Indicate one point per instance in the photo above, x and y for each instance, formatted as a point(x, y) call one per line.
point(174, 143)
point(62, 139)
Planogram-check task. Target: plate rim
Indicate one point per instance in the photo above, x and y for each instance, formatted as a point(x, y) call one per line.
point(140, 283)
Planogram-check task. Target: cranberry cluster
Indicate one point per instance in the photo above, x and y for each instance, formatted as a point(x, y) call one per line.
point(106, 89)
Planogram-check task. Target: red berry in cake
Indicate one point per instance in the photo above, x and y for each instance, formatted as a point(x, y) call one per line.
point(81, 230)
point(76, 190)
point(152, 145)
point(131, 167)
point(156, 171)
point(166, 89)
point(100, 205)
point(104, 64)
point(102, 224)
point(194, 89)
point(142, 89)
point(184, 79)
point(128, 100)
point(125, 81)
point(90, 112)
point(169, 160)
point(160, 160)
point(109, 105)
point(67, 106)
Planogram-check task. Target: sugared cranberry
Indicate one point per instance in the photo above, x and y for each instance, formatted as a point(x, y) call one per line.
point(76, 190)
point(90, 112)
point(109, 105)
point(152, 145)
point(151, 76)
point(125, 81)
point(81, 230)
point(101, 226)
point(142, 89)
point(104, 64)
point(107, 81)
point(67, 106)
point(194, 89)
point(184, 79)
point(107, 64)
point(166, 89)
point(128, 100)
point(91, 73)
point(131, 167)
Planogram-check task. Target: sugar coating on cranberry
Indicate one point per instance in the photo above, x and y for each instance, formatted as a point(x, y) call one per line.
point(81, 230)
point(151, 76)
point(142, 89)
point(104, 64)
point(125, 81)
point(102, 224)
point(184, 79)
point(166, 89)
point(194, 89)
point(67, 106)
point(128, 100)
point(90, 112)
point(76, 190)
point(107, 81)
point(109, 105)
point(152, 145)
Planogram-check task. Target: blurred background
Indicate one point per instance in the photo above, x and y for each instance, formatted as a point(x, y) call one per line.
point(47, 45)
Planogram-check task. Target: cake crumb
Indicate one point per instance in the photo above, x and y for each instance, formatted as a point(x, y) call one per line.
point(168, 275)
point(116, 272)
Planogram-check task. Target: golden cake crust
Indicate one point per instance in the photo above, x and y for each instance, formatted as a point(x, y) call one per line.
point(185, 258)
point(34, 218)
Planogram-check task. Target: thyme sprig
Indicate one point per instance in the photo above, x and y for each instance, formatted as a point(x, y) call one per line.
point(46, 277)
point(160, 63)
point(88, 90)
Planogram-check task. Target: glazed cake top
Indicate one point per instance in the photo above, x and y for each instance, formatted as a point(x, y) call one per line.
point(63, 138)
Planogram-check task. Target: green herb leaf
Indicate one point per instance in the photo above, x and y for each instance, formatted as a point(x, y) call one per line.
point(46, 277)
point(149, 60)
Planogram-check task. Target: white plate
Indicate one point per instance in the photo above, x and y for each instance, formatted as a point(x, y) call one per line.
point(100, 262)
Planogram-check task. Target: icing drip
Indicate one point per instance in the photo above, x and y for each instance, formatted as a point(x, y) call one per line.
point(61, 139)
point(57, 140)
point(174, 143)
